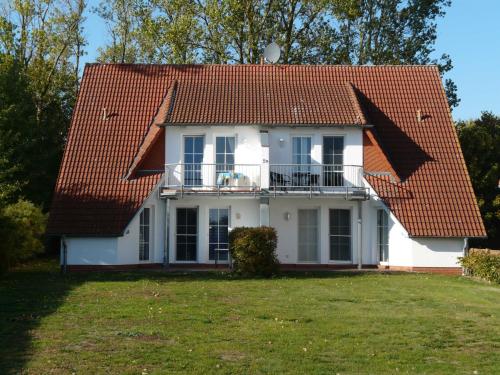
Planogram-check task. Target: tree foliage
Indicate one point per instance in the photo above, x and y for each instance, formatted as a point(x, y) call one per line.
point(22, 226)
point(41, 42)
point(480, 140)
point(308, 31)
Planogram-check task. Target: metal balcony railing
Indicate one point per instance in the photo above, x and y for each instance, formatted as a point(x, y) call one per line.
point(199, 176)
point(254, 177)
point(297, 176)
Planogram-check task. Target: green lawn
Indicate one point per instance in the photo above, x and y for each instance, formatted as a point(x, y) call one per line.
point(155, 323)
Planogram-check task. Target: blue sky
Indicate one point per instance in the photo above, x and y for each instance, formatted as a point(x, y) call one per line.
point(469, 33)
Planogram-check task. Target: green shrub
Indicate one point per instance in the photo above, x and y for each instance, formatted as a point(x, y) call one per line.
point(482, 264)
point(253, 250)
point(22, 226)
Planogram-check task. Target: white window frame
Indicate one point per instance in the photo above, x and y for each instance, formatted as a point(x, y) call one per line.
point(142, 228)
point(183, 154)
point(318, 235)
point(350, 236)
point(383, 242)
point(225, 136)
point(228, 208)
point(174, 249)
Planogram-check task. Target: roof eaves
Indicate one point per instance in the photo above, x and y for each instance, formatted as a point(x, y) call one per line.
point(154, 130)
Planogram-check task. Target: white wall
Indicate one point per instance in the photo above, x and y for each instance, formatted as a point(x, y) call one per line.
point(92, 251)
point(247, 142)
point(128, 244)
point(288, 229)
point(248, 146)
point(123, 249)
point(281, 152)
point(436, 252)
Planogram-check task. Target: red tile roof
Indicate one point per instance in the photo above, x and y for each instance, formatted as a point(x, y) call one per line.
point(429, 191)
point(265, 99)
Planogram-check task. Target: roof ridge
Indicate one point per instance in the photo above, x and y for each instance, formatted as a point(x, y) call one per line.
point(308, 66)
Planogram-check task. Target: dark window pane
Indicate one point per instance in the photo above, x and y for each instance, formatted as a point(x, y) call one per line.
point(188, 144)
point(230, 145)
point(220, 145)
point(327, 147)
point(198, 145)
point(338, 145)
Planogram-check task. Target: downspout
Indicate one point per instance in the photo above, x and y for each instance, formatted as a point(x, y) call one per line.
point(360, 244)
point(64, 254)
point(166, 235)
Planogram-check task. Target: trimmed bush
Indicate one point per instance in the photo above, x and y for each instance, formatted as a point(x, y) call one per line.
point(253, 250)
point(22, 226)
point(483, 264)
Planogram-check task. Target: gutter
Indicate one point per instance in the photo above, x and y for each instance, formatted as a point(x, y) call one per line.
point(270, 125)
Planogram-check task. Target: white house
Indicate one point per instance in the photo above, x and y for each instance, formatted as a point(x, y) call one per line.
point(353, 166)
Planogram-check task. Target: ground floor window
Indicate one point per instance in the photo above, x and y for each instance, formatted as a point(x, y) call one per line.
point(186, 234)
point(308, 235)
point(383, 235)
point(218, 242)
point(144, 234)
point(340, 235)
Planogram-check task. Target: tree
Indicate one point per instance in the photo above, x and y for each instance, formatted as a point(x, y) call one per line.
point(480, 140)
point(308, 31)
point(17, 119)
point(43, 41)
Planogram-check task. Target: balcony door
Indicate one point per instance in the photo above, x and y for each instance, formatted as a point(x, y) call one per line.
point(301, 159)
point(333, 160)
point(224, 158)
point(193, 159)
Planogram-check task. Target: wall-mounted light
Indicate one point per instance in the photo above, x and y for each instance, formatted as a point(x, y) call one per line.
point(287, 216)
point(282, 142)
point(238, 216)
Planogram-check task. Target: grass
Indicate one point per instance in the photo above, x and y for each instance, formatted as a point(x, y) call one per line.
point(156, 323)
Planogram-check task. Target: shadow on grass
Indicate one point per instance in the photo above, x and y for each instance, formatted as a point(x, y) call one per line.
point(35, 291)
point(27, 295)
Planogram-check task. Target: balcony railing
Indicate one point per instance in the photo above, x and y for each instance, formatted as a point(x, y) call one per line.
point(200, 176)
point(281, 178)
point(298, 176)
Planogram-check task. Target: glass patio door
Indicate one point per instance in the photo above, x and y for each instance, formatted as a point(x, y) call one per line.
point(218, 239)
point(340, 235)
point(308, 235)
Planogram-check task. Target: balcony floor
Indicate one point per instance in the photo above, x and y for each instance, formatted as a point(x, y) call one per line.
point(348, 193)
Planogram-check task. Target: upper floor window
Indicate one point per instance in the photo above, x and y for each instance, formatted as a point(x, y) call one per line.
point(144, 234)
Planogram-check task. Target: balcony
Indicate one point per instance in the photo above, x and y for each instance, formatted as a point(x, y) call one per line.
point(265, 179)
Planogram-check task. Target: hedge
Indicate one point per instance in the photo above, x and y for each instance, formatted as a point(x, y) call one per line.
point(483, 264)
point(253, 250)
